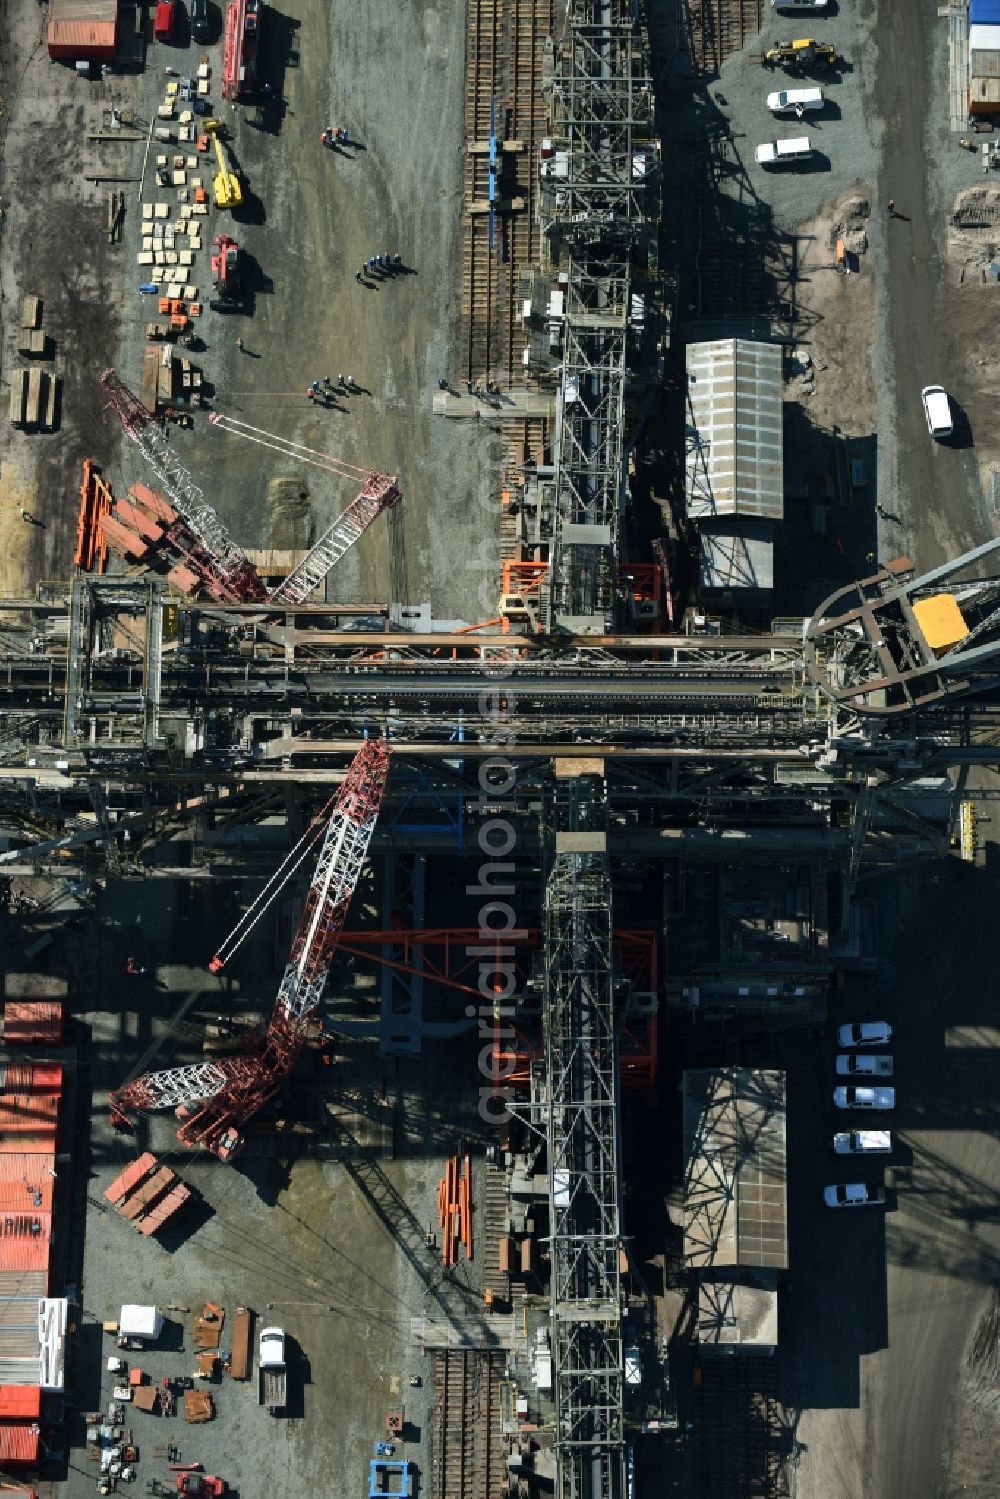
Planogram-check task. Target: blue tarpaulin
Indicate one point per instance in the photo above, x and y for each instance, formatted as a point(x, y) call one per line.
point(984, 13)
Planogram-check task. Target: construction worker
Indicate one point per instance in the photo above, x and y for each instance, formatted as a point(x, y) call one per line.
point(350, 382)
point(892, 208)
point(239, 343)
point(357, 277)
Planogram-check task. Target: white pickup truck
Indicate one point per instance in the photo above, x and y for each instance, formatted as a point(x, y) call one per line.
point(863, 1142)
point(272, 1384)
point(863, 1064)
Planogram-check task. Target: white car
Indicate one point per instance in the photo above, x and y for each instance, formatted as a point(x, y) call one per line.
point(782, 153)
point(865, 1033)
point(937, 411)
point(796, 101)
point(864, 1098)
point(853, 1195)
point(863, 1064)
point(863, 1142)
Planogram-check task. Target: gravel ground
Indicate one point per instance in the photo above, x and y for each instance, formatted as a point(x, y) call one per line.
point(311, 218)
point(302, 1244)
point(841, 135)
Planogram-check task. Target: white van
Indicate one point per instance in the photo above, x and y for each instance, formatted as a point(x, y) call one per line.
point(776, 153)
point(937, 411)
point(799, 5)
point(796, 101)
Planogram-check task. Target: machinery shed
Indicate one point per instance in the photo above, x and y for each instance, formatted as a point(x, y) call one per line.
point(738, 1316)
point(736, 557)
point(733, 431)
point(83, 30)
point(734, 1168)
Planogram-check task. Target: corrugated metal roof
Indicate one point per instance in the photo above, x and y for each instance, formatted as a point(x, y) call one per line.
point(23, 1285)
point(734, 429)
point(27, 1020)
point(984, 64)
point(27, 1196)
point(26, 1170)
point(20, 1363)
point(735, 1175)
point(984, 13)
point(19, 1443)
point(82, 39)
point(24, 1241)
point(32, 1112)
point(736, 560)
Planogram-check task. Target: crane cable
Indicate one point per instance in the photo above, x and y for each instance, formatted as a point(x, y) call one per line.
point(279, 879)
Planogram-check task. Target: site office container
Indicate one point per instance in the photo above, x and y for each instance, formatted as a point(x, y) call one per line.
point(33, 1020)
point(31, 1077)
point(19, 1443)
point(20, 1402)
point(82, 30)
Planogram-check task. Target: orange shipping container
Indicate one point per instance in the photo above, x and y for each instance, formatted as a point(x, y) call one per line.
point(20, 1402)
point(19, 1443)
point(33, 1020)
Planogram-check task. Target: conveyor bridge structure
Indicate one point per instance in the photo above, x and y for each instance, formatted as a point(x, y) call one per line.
point(600, 212)
point(583, 1142)
point(173, 707)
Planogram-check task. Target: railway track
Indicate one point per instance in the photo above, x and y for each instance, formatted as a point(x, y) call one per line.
point(468, 1459)
point(505, 55)
point(718, 28)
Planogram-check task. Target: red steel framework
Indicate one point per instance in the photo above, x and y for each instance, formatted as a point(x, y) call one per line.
point(214, 1100)
point(450, 956)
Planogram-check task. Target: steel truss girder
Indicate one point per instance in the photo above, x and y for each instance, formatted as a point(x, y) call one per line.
point(584, 1177)
point(606, 104)
point(379, 493)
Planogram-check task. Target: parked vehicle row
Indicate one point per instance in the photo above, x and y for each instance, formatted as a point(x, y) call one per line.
point(794, 101)
point(865, 1064)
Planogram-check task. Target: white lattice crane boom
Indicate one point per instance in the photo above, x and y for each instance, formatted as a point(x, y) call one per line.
point(223, 567)
point(378, 492)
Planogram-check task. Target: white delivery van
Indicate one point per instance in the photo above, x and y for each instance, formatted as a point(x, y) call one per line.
point(799, 5)
point(796, 101)
point(937, 411)
point(777, 153)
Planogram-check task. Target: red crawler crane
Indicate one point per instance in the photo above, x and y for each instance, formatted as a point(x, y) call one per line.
point(215, 1099)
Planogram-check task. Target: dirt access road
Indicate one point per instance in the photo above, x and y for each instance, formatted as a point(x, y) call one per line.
point(932, 487)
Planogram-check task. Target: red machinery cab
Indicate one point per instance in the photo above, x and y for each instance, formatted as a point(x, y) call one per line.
point(163, 20)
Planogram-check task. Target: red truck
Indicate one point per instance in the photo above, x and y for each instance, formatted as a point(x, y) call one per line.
point(164, 19)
